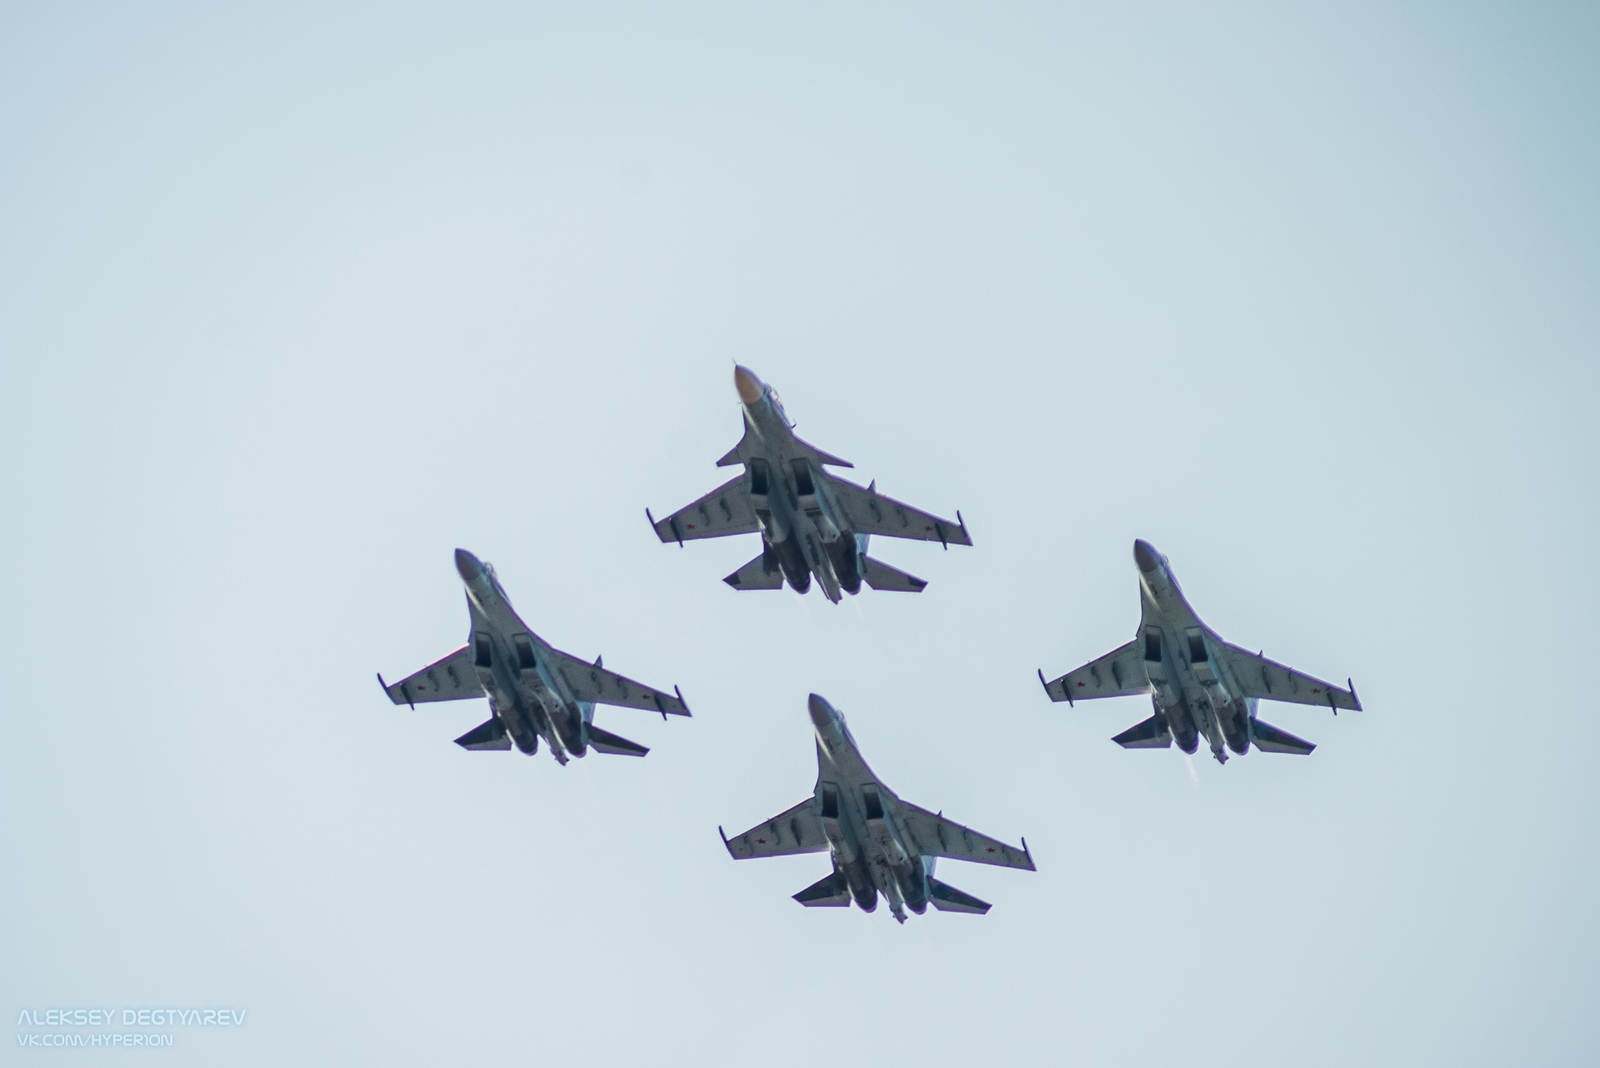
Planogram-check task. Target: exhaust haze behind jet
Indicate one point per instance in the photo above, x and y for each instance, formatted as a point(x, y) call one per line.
point(879, 844)
point(1199, 685)
point(534, 691)
point(811, 522)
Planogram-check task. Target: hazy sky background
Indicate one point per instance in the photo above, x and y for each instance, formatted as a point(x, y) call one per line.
point(295, 299)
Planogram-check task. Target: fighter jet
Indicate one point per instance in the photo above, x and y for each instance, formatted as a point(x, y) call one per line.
point(1198, 683)
point(811, 522)
point(878, 842)
point(534, 691)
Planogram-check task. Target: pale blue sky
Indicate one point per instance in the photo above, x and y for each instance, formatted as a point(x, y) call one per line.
point(294, 301)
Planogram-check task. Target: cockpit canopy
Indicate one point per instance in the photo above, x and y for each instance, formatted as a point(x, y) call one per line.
point(777, 406)
point(494, 580)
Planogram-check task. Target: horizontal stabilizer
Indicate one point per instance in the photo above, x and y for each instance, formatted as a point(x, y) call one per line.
point(947, 898)
point(487, 735)
point(880, 576)
point(1270, 739)
point(829, 892)
point(1151, 734)
point(606, 742)
point(756, 576)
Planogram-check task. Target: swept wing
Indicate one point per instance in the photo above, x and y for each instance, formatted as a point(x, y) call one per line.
point(870, 512)
point(935, 836)
point(1117, 674)
point(724, 511)
point(1272, 681)
point(451, 678)
point(796, 830)
point(591, 682)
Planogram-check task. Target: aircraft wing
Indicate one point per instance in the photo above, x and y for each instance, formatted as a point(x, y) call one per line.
point(935, 836)
point(1272, 681)
point(870, 512)
point(795, 831)
point(591, 682)
point(724, 511)
point(1117, 674)
point(451, 678)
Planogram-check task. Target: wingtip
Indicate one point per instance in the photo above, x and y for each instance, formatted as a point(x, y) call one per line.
point(681, 701)
point(657, 528)
point(390, 693)
point(1028, 855)
point(1355, 698)
point(725, 843)
point(1066, 694)
point(963, 523)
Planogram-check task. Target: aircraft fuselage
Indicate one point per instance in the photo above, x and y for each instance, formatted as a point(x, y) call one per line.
point(1190, 684)
point(803, 528)
point(867, 848)
point(513, 667)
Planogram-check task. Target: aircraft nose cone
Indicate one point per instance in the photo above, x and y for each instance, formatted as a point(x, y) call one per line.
point(821, 712)
point(748, 385)
point(1144, 554)
point(467, 565)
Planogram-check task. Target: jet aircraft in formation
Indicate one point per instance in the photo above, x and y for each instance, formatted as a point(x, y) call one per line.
point(878, 843)
point(1198, 683)
point(534, 691)
point(811, 521)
